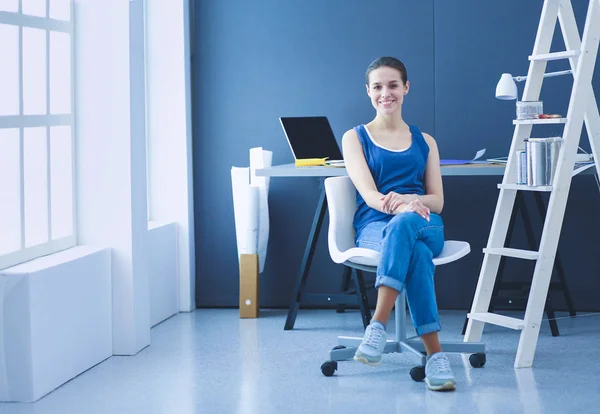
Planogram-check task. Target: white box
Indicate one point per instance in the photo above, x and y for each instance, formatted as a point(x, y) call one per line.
point(55, 321)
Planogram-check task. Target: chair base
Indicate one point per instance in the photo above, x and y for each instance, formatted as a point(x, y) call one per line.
point(347, 347)
point(410, 345)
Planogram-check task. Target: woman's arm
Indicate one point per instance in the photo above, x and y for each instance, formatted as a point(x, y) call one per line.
point(434, 191)
point(358, 170)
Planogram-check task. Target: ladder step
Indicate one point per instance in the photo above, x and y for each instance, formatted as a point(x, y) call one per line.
point(500, 320)
point(555, 55)
point(516, 253)
point(540, 121)
point(524, 187)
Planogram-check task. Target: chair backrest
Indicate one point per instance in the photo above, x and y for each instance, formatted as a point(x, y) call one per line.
point(341, 202)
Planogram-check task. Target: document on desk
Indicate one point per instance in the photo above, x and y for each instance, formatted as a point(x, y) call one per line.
point(475, 160)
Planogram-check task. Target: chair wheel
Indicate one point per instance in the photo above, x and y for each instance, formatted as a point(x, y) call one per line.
point(477, 360)
point(328, 368)
point(418, 373)
point(338, 347)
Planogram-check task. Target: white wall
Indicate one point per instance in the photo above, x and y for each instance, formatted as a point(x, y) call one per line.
point(169, 131)
point(120, 115)
point(111, 156)
point(150, 268)
point(110, 151)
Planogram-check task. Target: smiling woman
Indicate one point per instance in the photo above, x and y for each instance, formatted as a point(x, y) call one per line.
point(396, 170)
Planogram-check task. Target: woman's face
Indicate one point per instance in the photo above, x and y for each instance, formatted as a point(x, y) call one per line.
point(386, 90)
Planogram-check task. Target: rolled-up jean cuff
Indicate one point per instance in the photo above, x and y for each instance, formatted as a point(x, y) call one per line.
point(428, 328)
point(389, 282)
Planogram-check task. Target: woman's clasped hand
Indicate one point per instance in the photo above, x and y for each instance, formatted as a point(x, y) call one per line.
point(394, 203)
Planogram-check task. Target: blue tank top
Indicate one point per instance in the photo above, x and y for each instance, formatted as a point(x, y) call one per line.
point(399, 171)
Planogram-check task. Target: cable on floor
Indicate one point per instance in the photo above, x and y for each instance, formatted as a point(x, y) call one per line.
point(571, 317)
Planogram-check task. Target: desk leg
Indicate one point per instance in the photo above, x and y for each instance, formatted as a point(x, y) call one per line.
point(560, 272)
point(363, 300)
point(309, 251)
point(500, 273)
point(509, 234)
point(521, 206)
point(533, 246)
point(346, 277)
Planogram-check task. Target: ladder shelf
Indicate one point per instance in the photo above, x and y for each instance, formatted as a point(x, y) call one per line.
point(581, 53)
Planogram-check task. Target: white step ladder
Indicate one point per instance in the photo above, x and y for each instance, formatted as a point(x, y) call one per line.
point(582, 107)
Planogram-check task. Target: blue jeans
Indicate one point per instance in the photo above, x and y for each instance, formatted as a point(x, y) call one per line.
point(408, 243)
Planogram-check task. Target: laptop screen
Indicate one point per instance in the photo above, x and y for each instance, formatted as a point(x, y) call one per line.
point(311, 137)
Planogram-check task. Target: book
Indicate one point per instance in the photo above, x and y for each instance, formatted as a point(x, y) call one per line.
point(319, 162)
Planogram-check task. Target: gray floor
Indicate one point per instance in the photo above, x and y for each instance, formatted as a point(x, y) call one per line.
point(210, 361)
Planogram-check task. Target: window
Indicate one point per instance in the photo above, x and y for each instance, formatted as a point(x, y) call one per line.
point(37, 192)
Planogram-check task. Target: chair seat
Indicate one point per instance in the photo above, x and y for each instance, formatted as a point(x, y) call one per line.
point(453, 250)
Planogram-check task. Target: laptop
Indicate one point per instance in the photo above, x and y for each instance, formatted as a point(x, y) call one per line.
point(312, 137)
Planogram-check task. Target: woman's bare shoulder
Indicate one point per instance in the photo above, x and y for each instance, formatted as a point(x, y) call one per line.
point(429, 140)
point(350, 137)
point(350, 133)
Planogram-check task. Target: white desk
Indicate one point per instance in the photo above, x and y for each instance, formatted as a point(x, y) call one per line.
point(475, 169)
point(290, 170)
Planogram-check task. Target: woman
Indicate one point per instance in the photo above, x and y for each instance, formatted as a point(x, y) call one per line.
point(396, 170)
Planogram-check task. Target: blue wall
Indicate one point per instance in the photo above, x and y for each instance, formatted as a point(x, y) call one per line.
point(256, 61)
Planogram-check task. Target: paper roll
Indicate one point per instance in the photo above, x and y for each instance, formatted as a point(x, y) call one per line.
point(252, 223)
point(240, 178)
point(260, 158)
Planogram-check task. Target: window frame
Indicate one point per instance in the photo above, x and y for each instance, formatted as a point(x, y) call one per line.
point(21, 121)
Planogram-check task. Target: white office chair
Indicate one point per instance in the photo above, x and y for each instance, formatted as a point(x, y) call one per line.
point(341, 199)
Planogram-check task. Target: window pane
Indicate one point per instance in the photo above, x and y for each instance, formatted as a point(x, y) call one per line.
point(61, 181)
point(34, 71)
point(60, 73)
point(9, 6)
point(34, 7)
point(60, 9)
point(10, 210)
point(9, 70)
point(36, 186)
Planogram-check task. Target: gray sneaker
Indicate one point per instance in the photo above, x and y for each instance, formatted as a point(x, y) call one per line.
point(371, 348)
point(438, 374)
